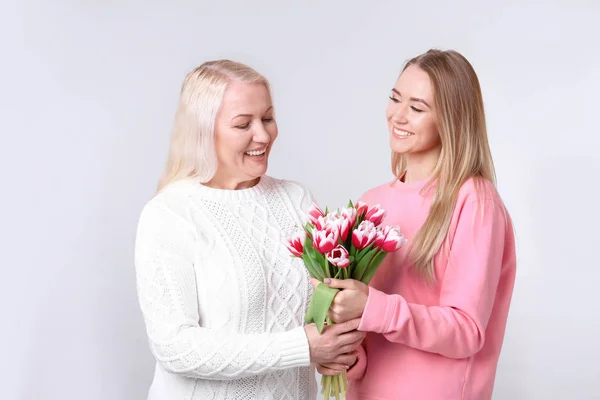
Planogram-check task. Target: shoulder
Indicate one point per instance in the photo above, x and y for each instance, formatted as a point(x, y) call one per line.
point(479, 197)
point(374, 194)
point(478, 190)
point(294, 189)
point(174, 201)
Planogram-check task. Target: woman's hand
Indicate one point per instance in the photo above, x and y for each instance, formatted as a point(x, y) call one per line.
point(334, 343)
point(336, 369)
point(350, 302)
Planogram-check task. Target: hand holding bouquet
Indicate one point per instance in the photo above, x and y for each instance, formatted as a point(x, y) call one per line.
point(348, 243)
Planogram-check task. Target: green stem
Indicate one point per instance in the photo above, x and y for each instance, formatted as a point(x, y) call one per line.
point(327, 386)
point(343, 384)
point(326, 267)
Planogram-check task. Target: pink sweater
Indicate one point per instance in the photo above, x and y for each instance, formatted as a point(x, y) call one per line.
point(442, 340)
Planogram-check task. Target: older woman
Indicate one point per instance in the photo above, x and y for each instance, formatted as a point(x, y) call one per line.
point(222, 300)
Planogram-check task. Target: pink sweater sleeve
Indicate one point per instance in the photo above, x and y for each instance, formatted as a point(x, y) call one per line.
point(456, 327)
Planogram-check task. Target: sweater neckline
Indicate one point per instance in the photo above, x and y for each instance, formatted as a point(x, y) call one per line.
point(233, 195)
point(415, 186)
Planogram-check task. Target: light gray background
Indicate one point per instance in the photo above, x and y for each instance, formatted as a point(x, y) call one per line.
point(88, 90)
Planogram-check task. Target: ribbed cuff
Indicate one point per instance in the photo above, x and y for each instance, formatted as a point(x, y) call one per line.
point(377, 313)
point(294, 347)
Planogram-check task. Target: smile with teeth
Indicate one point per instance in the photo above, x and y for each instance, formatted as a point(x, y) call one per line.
point(256, 152)
point(401, 133)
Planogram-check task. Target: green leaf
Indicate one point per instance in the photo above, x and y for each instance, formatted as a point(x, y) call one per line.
point(308, 318)
point(319, 305)
point(366, 250)
point(308, 230)
point(372, 268)
point(313, 269)
point(350, 205)
point(363, 264)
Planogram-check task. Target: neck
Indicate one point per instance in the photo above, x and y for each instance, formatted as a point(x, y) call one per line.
point(420, 166)
point(230, 183)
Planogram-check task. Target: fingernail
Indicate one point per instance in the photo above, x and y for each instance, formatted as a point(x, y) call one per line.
point(327, 281)
point(346, 367)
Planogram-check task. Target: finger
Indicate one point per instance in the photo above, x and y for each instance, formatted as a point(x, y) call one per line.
point(315, 282)
point(347, 326)
point(342, 283)
point(327, 371)
point(345, 360)
point(351, 337)
point(338, 299)
point(336, 366)
point(350, 347)
point(337, 316)
point(330, 315)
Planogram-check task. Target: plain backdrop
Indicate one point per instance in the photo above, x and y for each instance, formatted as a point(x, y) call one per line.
point(88, 90)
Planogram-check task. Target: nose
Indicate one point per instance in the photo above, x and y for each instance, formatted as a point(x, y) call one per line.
point(261, 135)
point(399, 114)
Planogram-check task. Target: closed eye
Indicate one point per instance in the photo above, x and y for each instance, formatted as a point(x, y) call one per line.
point(395, 100)
point(416, 109)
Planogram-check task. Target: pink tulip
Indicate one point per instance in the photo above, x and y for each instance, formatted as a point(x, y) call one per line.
point(346, 220)
point(375, 214)
point(379, 238)
point(344, 227)
point(296, 244)
point(339, 257)
point(314, 212)
point(326, 239)
point(349, 214)
point(328, 221)
point(364, 235)
point(320, 223)
point(389, 239)
point(361, 208)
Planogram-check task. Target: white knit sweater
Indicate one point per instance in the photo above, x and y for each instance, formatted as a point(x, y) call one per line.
point(222, 299)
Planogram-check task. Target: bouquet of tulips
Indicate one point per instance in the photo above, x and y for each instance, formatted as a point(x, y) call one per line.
point(347, 243)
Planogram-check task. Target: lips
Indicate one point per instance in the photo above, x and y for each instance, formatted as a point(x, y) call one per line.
point(256, 153)
point(401, 133)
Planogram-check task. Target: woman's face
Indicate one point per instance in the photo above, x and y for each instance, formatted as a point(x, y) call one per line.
point(245, 130)
point(411, 116)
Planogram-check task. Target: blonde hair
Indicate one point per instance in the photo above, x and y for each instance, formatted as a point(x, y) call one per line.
point(465, 151)
point(192, 151)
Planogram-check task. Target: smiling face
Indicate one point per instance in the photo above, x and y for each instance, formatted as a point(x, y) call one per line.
point(412, 119)
point(245, 130)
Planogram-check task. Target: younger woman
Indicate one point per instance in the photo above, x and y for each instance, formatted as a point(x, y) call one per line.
point(436, 310)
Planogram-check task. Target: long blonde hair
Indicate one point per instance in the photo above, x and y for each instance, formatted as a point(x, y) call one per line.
point(192, 151)
point(465, 151)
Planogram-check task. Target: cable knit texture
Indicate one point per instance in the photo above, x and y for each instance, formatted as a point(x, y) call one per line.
point(222, 299)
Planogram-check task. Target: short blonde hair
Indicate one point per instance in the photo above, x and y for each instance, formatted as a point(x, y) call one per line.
point(192, 151)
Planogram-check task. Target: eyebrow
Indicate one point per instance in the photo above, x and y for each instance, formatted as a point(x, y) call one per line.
point(250, 115)
point(412, 98)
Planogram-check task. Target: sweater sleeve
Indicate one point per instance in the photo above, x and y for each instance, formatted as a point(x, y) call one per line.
point(455, 328)
point(167, 292)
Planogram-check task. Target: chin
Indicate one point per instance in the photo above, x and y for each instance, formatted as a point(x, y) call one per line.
point(399, 148)
point(258, 172)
